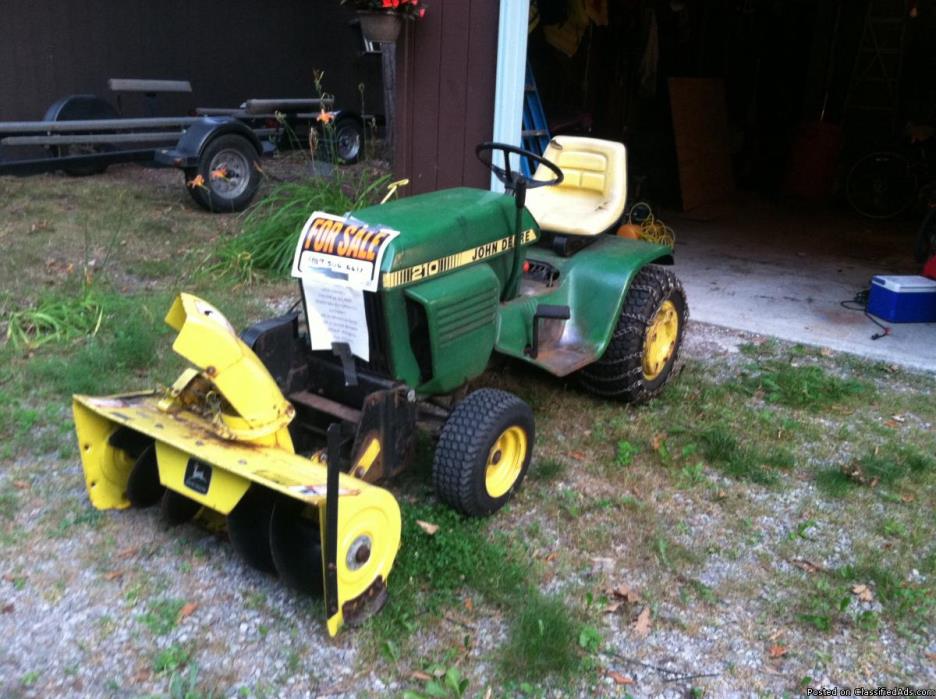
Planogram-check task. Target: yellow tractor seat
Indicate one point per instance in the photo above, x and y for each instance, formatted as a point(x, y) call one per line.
point(592, 195)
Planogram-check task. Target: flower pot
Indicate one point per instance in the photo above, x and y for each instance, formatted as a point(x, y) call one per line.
point(381, 27)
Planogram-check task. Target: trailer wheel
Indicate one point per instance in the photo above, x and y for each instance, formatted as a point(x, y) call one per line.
point(646, 342)
point(483, 452)
point(349, 140)
point(226, 178)
point(80, 107)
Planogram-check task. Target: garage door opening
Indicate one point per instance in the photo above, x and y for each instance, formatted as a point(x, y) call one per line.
point(749, 126)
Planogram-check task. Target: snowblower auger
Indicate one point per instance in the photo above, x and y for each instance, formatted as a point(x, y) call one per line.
point(218, 439)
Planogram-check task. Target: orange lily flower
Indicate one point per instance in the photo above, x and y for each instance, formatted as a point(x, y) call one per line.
point(325, 117)
point(197, 181)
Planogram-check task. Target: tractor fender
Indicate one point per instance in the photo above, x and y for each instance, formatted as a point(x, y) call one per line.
point(197, 137)
point(603, 280)
point(593, 284)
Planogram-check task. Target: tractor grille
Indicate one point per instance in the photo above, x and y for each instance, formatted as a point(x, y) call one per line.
point(373, 311)
point(462, 316)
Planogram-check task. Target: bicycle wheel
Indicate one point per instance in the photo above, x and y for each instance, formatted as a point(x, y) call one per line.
point(881, 185)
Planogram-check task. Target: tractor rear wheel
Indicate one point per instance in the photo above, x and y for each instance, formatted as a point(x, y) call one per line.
point(483, 452)
point(645, 345)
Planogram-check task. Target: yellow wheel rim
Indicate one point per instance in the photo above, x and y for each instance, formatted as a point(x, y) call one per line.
point(505, 461)
point(660, 341)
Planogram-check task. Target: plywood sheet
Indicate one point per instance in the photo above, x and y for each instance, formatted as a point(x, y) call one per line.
point(700, 129)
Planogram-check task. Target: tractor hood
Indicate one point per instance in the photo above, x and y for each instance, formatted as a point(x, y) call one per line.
point(440, 224)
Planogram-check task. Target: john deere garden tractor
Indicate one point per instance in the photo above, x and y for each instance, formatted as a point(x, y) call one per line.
point(289, 428)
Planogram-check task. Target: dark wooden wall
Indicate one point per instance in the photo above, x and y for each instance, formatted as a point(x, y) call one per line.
point(446, 68)
point(229, 49)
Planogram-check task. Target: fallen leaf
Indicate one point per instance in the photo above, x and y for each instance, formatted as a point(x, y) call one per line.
point(142, 676)
point(21, 485)
point(469, 605)
point(7, 608)
point(776, 634)
point(657, 440)
point(777, 651)
point(618, 677)
point(825, 352)
point(907, 498)
point(552, 556)
point(890, 423)
point(624, 592)
point(642, 625)
point(931, 656)
point(128, 552)
point(863, 593)
point(428, 527)
point(578, 455)
point(187, 610)
point(808, 566)
point(421, 676)
point(113, 575)
point(613, 607)
point(898, 418)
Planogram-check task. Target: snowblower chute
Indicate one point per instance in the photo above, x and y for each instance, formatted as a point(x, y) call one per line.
point(218, 439)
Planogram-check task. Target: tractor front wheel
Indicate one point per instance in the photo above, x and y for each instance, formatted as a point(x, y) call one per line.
point(483, 452)
point(645, 345)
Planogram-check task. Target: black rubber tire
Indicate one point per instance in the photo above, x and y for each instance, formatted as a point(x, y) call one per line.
point(469, 433)
point(296, 547)
point(81, 107)
point(926, 237)
point(347, 131)
point(248, 526)
point(619, 372)
point(176, 509)
point(207, 196)
point(143, 486)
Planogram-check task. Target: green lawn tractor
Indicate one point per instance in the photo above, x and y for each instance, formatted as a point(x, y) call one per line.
point(289, 428)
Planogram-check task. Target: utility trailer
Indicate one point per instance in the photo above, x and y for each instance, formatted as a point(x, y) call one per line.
point(216, 148)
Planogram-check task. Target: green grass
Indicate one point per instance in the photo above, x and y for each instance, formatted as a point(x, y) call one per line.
point(547, 470)
point(171, 659)
point(829, 602)
point(723, 450)
point(55, 318)
point(803, 387)
point(888, 465)
point(162, 615)
point(432, 572)
point(542, 640)
point(9, 502)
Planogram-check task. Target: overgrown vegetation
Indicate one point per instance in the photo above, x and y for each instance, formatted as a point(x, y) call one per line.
point(272, 226)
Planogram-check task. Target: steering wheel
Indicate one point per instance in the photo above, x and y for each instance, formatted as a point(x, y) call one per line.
point(515, 179)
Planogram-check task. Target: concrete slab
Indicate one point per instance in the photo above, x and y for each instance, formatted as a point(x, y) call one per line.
point(782, 270)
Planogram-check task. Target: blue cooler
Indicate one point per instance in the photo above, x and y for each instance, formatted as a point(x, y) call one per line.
point(903, 299)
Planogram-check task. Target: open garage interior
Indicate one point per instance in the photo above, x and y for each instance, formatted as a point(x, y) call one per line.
point(752, 128)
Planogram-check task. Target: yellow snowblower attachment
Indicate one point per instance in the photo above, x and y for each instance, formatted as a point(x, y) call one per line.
point(219, 439)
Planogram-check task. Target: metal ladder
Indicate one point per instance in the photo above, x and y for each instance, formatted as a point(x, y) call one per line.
point(535, 133)
point(875, 82)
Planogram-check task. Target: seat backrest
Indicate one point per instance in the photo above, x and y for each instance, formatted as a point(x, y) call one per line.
point(589, 164)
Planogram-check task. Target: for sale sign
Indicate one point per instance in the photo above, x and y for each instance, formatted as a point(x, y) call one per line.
point(342, 249)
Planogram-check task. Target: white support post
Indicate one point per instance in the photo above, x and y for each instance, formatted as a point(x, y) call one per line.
point(511, 74)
